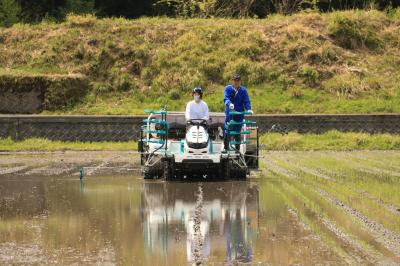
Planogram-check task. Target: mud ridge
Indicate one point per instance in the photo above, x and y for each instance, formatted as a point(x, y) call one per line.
point(198, 238)
point(387, 238)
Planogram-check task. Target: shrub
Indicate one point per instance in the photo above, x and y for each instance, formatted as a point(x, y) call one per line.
point(212, 69)
point(346, 85)
point(251, 72)
point(148, 74)
point(78, 7)
point(9, 12)
point(174, 94)
point(174, 80)
point(100, 88)
point(64, 91)
point(326, 53)
point(309, 74)
point(285, 81)
point(124, 83)
point(258, 74)
point(295, 92)
point(239, 66)
point(85, 21)
point(272, 74)
point(353, 30)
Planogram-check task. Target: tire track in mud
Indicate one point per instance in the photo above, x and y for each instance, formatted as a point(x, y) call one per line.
point(274, 168)
point(387, 238)
point(51, 170)
point(68, 163)
point(360, 254)
point(295, 162)
point(349, 161)
point(103, 164)
point(354, 253)
point(367, 158)
point(388, 206)
point(13, 170)
point(198, 238)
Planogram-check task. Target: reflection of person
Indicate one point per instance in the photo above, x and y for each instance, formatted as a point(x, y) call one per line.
point(237, 247)
point(197, 109)
point(218, 223)
point(236, 99)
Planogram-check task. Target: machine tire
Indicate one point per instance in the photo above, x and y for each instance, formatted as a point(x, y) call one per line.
point(227, 170)
point(169, 170)
point(147, 173)
point(241, 173)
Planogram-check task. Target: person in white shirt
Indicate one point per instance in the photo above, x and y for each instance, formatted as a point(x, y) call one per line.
point(197, 109)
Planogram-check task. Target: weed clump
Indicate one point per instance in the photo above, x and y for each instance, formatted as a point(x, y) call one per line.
point(349, 85)
point(355, 29)
point(309, 74)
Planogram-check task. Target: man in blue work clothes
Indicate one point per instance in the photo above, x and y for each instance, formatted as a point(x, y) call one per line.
point(235, 99)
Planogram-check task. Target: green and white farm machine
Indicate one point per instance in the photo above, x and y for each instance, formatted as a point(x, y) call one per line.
point(173, 148)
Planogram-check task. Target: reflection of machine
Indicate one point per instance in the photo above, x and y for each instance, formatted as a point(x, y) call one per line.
point(171, 148)
point(213, 217)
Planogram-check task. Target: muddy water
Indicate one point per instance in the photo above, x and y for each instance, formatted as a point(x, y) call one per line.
point(316, 208)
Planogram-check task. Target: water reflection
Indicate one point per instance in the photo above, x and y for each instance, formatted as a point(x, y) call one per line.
point(205, 219)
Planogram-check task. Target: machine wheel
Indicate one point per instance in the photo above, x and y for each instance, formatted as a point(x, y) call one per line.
point(241, 173)
point(227, 170)
point(169, 172)
point(147, 173)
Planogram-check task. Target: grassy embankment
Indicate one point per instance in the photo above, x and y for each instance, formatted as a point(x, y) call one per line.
point(340, 62)
point(332, 140)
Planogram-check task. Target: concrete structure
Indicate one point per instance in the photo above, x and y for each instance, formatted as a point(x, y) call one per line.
point(123, 128)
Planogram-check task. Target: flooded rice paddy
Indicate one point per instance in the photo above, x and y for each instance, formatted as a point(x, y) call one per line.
point(303, 208)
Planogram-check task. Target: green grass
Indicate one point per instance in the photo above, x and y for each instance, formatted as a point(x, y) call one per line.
point(266, 99)
point(339, 62)
point(332, 140)
point(48, 145)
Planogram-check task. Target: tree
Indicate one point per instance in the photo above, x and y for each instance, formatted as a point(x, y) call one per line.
point(9, 12)
point(78, 7)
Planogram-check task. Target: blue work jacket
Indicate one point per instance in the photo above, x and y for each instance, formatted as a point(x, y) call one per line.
point(240, 99)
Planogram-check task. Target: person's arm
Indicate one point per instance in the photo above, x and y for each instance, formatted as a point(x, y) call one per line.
point(227, 102)
point(247, 103)
point(206, 115)
point(187, 113)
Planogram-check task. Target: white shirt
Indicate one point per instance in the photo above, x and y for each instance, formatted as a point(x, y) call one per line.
point(196, 110)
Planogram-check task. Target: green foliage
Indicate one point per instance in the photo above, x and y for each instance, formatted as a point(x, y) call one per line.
point(153, 61)
point(295, 92)
point(100, 88)
point(332, 140)
point(174, 95)
point(353, 30)
point(285, 81)
point(346, 85)
point(81, 21)
point(35, 144)
point(209, 8)
point(78, 7)
point(309, 74)
point(252, 73)
point(124, 82)
point(9, 12)
point(58, 91)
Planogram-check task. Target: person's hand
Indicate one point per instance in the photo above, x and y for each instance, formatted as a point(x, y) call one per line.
point(231, 106)
point(250, 111)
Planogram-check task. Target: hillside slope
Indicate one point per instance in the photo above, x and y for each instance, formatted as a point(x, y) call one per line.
point(305, 63)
